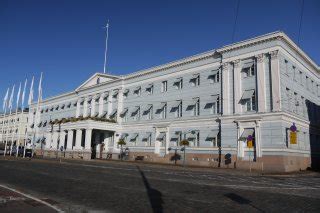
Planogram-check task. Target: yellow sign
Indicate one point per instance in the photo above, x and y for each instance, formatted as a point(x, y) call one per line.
point(249, 144)
point(293, 137)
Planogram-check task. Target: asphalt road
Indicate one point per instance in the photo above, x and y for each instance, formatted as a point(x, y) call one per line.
point(80, 186)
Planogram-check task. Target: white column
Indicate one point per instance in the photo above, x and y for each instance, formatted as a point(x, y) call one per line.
point(237, 86)
point(258, 139)
point(70, 139)
point(167, 142)
point(225, 88)
point(240, 143)
point(78, 108)
point(109, 104)
point(78, 139)
point(62, 138)
point(85, 107)
point(88, 139)
point(261, 83)
point(93, 106)
point(275, 81)
point(157, 143)
point(101, 104)
point(48, 140)
point(55, 136)
point(120, 104)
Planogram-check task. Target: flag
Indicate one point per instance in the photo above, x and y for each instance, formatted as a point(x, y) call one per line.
point(31, 92)
point(40, 90)
point(5, 100)
point(11, 98)
point(24, 93)
point(18, 95)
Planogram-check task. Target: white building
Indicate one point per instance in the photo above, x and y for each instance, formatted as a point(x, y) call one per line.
point(13, 128)
point(216, 99)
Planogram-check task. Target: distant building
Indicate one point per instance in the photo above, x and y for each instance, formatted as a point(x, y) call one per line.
point(258, 87)
point(13, 128)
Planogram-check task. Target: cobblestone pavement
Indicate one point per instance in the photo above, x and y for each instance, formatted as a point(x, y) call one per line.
point(135, 187)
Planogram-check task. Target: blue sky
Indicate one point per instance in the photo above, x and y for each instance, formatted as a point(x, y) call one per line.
point(64, 39)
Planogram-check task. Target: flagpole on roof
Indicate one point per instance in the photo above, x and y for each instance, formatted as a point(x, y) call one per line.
point(15, 120)
point(10, 110)
point(4, 108)
point(106, 49)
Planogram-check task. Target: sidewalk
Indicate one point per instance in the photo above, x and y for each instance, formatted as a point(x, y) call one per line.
point(13, 201)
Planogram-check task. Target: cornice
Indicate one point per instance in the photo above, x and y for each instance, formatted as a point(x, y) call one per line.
point(178, 63)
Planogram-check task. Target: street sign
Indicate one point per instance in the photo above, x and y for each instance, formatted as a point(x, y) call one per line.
point(293, 137)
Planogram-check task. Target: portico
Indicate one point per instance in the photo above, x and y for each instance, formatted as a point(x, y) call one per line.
point(86, 139)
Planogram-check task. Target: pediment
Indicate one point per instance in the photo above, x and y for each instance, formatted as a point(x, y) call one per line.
point(96, 79)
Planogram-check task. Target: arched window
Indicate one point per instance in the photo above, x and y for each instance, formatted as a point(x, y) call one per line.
point(98, 80)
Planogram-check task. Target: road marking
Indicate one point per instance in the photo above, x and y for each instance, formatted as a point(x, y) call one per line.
point(32, 197)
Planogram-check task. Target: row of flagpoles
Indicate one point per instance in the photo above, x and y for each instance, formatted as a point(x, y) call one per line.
point(7, 107)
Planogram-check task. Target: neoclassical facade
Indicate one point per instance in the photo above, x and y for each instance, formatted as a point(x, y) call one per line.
point(13, 128)
point(258, 87)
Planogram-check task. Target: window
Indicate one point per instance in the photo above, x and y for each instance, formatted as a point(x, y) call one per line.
point(137, 91)
point(318, 90)
point(286, 67)
point(149, 112)
point(288, 96)
point(125, 93)
point(296, 103)
point(136, 113)
point(195, 80)
point(251, 104)
point(196, 108)
point(214, 77)
point(115, 94)
point(98, 80)
point(312, 86)
point(164, 86)
point(124, 115)
point(149, 89)
point(194, 137)
point(248, 70)
point(163, 114)
point(249, 100)
point(301, 77)
point(178, 83)
point(294, 71)
point(214, 106)
point(178, 113)
point(307, 83)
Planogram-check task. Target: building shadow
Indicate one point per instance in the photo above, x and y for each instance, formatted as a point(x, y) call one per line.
point(313, 111)
point(155, 197)
point(241, 200)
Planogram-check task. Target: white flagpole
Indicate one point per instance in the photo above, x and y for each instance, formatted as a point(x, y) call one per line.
point(4, 107)
point(22, 110)
point(10, 110)
point(30, 99)
point(38, 114)
point(106, 49)
point(15, 120)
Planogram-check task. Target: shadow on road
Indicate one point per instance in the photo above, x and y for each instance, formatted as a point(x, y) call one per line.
point(241, 200)
point(155, 197)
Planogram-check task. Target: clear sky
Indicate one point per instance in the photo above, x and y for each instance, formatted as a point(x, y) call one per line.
point(64, 39)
